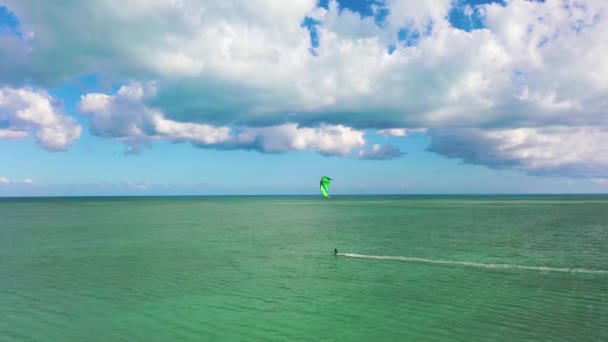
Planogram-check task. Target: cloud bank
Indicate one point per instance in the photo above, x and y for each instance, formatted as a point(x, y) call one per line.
point(526, 89)
point(574, 151)
point(125, 117)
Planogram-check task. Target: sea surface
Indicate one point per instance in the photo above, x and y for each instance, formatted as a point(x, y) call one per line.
point(262, 268)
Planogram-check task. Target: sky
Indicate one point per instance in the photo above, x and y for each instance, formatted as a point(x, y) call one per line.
point(213, 97)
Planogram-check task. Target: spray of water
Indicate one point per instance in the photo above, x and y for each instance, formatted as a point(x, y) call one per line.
point(475, 264)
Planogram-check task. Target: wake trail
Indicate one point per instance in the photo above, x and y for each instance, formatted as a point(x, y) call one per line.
point(475, 264)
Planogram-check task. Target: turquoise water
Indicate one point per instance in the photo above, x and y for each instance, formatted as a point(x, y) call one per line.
point(262, 269)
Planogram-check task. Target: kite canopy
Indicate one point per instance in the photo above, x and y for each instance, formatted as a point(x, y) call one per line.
point(325, 186)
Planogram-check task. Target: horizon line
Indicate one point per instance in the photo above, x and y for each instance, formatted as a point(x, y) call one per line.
point(304, 195)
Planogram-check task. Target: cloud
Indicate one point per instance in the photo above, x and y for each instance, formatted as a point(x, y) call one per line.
point(124, 117)
point(378, 152)
point(6, 180)
point(224, 69)
point(400, 132)
point(221, 63)
point(327, 139)
point(567, 151)
point(25, 109)
point(601, 181)
point(138, 185)
point(12, 134)
point(395, 132)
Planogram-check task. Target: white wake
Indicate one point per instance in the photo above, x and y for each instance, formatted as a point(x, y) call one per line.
point(475, 264)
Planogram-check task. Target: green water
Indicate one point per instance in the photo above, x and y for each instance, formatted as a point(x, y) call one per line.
point(263, 269)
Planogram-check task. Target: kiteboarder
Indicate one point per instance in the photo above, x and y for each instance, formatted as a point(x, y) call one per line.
point(335, 251)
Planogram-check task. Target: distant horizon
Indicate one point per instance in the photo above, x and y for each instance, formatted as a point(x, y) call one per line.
point(320, 197)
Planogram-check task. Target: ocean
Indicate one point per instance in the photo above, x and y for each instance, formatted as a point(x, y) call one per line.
point(262, 268)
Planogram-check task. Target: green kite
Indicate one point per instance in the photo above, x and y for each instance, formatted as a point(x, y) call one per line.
point(325, 186)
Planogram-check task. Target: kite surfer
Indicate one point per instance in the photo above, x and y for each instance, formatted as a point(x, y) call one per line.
point(335, 251)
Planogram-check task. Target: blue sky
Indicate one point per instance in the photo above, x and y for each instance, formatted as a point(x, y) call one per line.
point(392, 96)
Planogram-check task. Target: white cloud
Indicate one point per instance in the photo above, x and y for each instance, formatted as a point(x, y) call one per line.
point(125, 117)
point(230, 51)
point(468, 11)
point(417, 15)
point(331, 140)
point(378, 152)
point(346, 23)
point(226, 69)
point(12, 134)
point(396, 132)
point(196, 133)
point(400, 132)
point(25, 109)
point(6, 180)
point(569, 151)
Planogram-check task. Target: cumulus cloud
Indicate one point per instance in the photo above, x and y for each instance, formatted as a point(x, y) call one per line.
point(378, 152)
point(569, 151)
point(25, 109)
point(240, 74)
point(329, 140)
point(125, 117)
